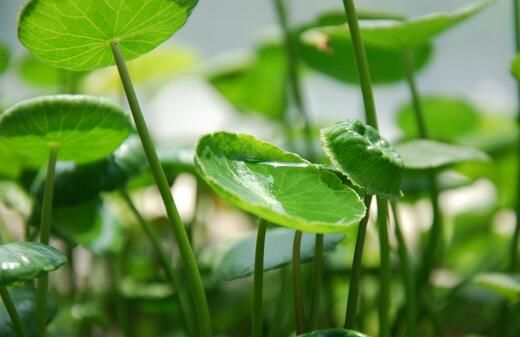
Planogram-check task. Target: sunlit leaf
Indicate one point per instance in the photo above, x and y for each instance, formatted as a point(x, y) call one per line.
point(333, 333)
point(76, 35)
point(24, 261)
point(82, 128)
point(515, 67)
point(501, 284)
point(276, 185)
point(10, 166)
point(368, 160)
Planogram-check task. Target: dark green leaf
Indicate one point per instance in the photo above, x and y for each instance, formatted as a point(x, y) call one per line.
point(333, 333)
point(368, 160)
point(4, 58)
point(276, 185)
point(416, 184)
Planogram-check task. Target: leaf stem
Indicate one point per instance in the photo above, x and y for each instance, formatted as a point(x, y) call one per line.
point(258, 315)
point(45, 231)
point(299, 311)
point(516, 234)
point(186, 252)
point(166, 264)
point(353, 292)
point(317, 280)
point(384, 268)
point(13, 313)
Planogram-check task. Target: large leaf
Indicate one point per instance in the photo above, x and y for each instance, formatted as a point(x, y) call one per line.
point(24, 261)
point(40, 74)
point(10, 166)
point(76, 35)
point(82, 128)
point(4, 58)
point(25, 302)
point(417, 183)
point(235, 259)
point(333, 333)
point(437, 110)
point(425, 154)
point(501, 284)
point(276, 185)
point(258, 85)
point(368, 160)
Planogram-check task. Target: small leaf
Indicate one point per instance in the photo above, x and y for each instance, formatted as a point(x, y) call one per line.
point(425, 154)
point(25, 302)
point(39, 74)
point(368, 160)
point(333, 333)
point(76, 35)
point(24, 261)
point(276, 185)
point(235, 258)
point(82, 128)
point(501, 284)
point(4, 58)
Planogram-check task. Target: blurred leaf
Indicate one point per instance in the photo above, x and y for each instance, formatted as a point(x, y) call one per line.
point(257, 85)
point(368, 160)
point(15, 197)
point(515, 67)
point(276, 185)
point(4, 58)
point(495, 134)
point(11, 166)
point(504, 285)
point(416, 184)
point(234, 259)
point(133, 289)
point(39, 74)
point(333, 333)
point(425, 154)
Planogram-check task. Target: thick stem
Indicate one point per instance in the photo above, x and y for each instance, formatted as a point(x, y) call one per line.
point(299, 311)
point(384, 268)
point(166, 264)
point(186, 252)
point(353, 292)
point(513, 267)
point(258, 314)
point(13, 313)
point(45, 232)
point(317, 280)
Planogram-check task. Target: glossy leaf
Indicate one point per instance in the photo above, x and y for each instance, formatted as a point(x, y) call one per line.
point(76, 35)
point(463, 117)
point(235, 259)
point(333, 333)
point(39, 74)
point(501, 284)
point(24, 261)
point(82, 128)
point(368, 160)
point(4, 58)
point(425, 154)
point(276, 185)
point(25, 302)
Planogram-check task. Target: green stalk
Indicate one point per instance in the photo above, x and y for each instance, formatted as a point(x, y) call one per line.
point(516, 235)
point(299, 311)
point(186, 252)
point(13, 314)
point(317, 280)
point(353, 291)
point(164, 259)
point(384, 269)
point(258, 314)
point(408, 277)
point(45, 232)
point(281, 305)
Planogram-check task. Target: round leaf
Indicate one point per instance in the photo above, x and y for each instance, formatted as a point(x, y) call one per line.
point(25, 261)
point(368, 160)
point(40, 74)
point(76, 35)
point(276, 185)
point(82, 128)
point(428, 154)
point(333, 333)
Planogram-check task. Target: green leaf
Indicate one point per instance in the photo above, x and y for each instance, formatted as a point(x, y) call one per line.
point(82, 128)
point(276, 185)
point(416, 183)
point(24, 261)
point(4, 58)
point(76, 35)
point(333, 333)
point(234, 259)
point(13, 196)
point(11, 166)
point(515, 67)
point(463, 117)
point(425, 154)
point(37, 73)
point(504, 285)
point(368, 160)
point(257, 85)
point(25, 302)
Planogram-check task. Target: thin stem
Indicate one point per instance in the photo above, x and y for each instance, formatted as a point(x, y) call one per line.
point(408, 61)
point(281, 304)
point(384, 268)
point(516, 234)
point(45, 231)
point(186, 252)
point(353, 292)
point(299, 311)
point(408, 276)
point(258, 315)
point(13, 313)
point(166, 264)
point(317, 280)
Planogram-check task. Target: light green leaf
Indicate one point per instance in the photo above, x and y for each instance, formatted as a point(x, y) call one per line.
point(257, 85)
point(501, 284)
point(425, 154)
point(40, 74)
point(25, 302)
point(368, 160)
point(4, 58)
point(515, 67)
point(333, 333)
point(10, 166)
point(276, 185)
point(76, 35)
point(24, 261)
point(82, 128)
point(463, 117)
point(235, 258)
